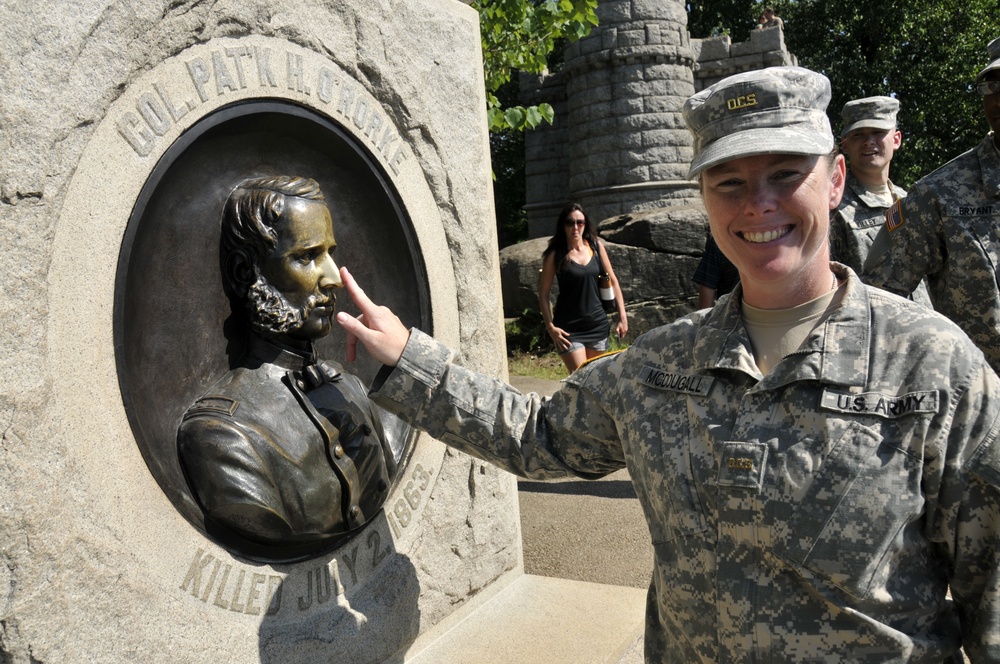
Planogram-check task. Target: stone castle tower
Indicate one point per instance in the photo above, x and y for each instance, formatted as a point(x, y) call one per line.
point(619, 143)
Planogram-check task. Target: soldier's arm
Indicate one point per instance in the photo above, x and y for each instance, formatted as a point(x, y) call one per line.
point(970, 514)
point(524, 434)
point(570, 434)
point(909, 245)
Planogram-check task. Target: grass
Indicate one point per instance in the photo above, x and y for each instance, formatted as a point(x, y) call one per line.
point(543, 365)
point(529, 351)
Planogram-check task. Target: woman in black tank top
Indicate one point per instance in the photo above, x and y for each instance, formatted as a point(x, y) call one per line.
point(579, 326)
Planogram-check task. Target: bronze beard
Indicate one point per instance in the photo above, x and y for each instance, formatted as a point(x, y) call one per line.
point(271, 313)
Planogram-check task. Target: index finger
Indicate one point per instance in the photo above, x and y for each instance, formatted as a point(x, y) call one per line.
point(355, 291)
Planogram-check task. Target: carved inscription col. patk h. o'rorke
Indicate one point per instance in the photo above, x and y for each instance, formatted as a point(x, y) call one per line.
point(232, 71)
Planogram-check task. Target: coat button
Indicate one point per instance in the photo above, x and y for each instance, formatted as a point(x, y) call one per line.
point(338, 451)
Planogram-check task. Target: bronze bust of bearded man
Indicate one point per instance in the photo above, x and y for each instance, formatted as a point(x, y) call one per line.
point(285, 450)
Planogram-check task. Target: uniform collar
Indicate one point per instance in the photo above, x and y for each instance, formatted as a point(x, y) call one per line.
point(837, 352)
point(265, 351)
point(302, 367)
point(722, 341)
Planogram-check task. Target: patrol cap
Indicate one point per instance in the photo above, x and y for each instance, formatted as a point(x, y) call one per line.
point(874, 112)
point(778, 110)
point(994, 56)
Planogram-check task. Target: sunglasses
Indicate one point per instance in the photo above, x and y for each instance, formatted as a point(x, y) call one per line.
point(989, 87)
point(576, 222)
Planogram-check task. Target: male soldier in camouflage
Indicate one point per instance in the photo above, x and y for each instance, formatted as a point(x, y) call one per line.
point(869, 139)
point(817, 459)
point(946, 231)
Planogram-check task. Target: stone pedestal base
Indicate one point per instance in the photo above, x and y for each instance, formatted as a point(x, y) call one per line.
point(538, 620)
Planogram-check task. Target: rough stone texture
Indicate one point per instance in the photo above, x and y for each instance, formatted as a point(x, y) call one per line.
point(712, 48)
point(654, 254)
point(520, 268)
point(718, 58)
point(623, 86)
point(546, 164)
point(675, 230)
point(97, 564)
point(636, 63)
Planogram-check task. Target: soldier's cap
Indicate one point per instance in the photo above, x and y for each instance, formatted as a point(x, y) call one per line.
point(994, 57)
point(873, 112)
point(778, 110)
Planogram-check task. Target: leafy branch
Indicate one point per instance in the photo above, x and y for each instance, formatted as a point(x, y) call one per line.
point(519, 35)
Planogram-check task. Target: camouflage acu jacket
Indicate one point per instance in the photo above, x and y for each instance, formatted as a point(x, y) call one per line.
point(815, 514)
point(855, 222)
point(948, 230)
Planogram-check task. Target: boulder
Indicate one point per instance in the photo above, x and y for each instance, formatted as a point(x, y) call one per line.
point(520, 267)
point(672, 230)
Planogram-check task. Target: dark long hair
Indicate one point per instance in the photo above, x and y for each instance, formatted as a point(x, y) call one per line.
point(557, 243)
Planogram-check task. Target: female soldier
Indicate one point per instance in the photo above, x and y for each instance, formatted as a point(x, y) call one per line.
point(817, 460)
point(579, 328)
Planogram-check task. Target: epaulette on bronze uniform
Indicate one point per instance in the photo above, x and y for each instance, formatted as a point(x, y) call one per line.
point(214, 405)
point(600, 357)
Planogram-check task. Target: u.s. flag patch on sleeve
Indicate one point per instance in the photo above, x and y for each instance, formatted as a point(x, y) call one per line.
point(894, 216)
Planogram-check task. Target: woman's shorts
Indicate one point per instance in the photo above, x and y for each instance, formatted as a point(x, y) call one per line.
point(598, 346)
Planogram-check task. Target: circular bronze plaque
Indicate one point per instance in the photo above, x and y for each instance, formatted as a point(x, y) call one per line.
point(174, 331)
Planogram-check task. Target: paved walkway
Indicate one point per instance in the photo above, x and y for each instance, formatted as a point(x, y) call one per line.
point(587, 561)
point(583, 529)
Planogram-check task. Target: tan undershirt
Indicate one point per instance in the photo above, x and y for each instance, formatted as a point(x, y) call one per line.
point(883, 193)
point(774, 333)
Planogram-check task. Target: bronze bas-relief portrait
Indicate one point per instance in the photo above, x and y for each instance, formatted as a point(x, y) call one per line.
point(285, 449)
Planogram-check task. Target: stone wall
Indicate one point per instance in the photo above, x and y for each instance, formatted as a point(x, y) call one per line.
point(546, 157)
point(618, 144)
point(718, 57)
point(621, 144)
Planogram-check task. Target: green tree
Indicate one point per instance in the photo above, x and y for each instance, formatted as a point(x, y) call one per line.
point(528, 36)
point(507, 156)
point(923, 52)
point(520, 35)
point(735, 18)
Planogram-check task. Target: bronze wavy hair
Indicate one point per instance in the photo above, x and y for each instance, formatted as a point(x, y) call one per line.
point(249, 222)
